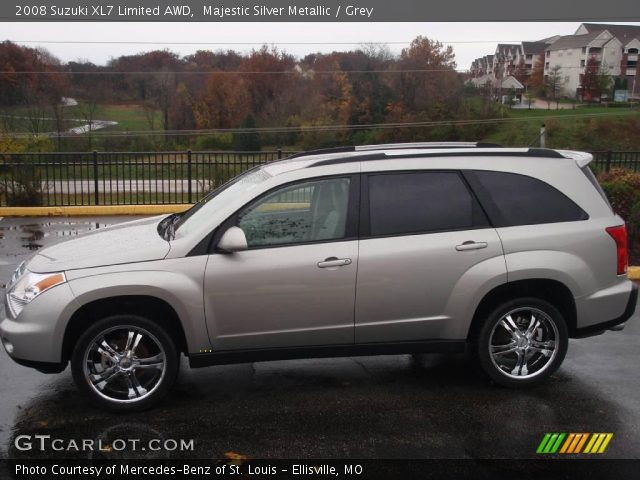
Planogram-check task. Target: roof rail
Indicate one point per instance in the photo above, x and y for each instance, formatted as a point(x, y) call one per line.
point(522, 152)
point(420, 145)
point(395, 146)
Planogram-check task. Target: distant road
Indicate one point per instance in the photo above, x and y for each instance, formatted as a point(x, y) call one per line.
point(124, 186)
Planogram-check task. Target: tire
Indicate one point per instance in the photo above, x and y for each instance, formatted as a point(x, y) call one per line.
point(526, 357)
point(125, 363)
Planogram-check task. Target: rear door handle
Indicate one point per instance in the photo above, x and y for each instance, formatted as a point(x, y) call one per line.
point(471, 245)
point(334, 262)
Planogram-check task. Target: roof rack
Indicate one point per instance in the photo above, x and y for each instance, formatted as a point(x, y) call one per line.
point(524, 152)
point(395, 146)
point(424, 145)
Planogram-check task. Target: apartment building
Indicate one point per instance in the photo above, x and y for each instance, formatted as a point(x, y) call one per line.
point(571, 53)
point(615, 48)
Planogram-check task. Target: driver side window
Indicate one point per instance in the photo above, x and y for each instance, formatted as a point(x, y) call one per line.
point(304, 212)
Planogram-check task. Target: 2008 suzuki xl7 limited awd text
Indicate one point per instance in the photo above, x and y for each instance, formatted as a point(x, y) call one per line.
point(367, 250)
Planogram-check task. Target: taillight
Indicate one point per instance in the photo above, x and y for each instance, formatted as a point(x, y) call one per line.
point(619, 235)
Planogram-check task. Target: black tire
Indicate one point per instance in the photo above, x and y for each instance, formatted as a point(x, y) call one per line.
point(154, 371)
point(544, 361)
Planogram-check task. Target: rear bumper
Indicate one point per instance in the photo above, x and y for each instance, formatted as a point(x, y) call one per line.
point(599, 328)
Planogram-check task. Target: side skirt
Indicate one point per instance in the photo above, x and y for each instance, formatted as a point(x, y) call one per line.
point(226, 357)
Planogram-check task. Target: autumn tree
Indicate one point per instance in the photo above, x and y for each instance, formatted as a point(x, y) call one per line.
point(224, 102)
point(520, 72)
point(596, 80)
point(535, 83)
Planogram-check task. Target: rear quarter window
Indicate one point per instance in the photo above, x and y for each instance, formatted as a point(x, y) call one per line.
point(512, 199)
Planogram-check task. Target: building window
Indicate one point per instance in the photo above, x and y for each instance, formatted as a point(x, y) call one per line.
point(633, 51)
point(529, 57)
point(548, 53)
point(581, 63)
point(546, 66)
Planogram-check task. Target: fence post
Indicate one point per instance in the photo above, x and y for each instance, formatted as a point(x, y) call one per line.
point(279, 153)
point(608, 164)
point(189, 175)
point(95, 177)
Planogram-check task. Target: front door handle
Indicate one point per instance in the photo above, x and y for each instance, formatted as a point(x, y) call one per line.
point(471, 245)
point(334, 262)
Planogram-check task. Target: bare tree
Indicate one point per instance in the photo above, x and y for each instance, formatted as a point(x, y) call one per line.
point(554, 85)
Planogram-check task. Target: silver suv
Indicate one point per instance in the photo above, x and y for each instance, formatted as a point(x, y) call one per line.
point(387, 249)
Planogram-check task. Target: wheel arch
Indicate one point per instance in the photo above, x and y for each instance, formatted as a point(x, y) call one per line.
point(552, 291)
point(154, 308)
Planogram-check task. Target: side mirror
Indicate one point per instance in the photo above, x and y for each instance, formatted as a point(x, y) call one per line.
point(233, 240)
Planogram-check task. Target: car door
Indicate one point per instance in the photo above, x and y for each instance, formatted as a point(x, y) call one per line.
point(421, 232)
point(295, 284)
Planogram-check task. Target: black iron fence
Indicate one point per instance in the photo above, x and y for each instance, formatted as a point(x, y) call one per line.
point(609, 159)
point(119, 178)
point(126, 178)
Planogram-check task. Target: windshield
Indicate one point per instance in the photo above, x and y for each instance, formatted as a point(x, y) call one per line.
point(200, 213)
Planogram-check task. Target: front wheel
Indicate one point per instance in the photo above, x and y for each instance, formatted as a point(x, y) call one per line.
point(124, 363)
point(522, 342)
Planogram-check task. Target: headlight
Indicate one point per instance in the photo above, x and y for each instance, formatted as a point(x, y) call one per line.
point(28, 286)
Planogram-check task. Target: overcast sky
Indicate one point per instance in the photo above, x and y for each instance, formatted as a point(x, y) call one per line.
point(481, 37)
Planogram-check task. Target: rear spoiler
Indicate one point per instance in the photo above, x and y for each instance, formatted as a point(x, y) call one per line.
point(582, 158)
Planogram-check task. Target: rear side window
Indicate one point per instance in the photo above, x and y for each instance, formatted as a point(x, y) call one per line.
point(511, 199)
point(421, 202)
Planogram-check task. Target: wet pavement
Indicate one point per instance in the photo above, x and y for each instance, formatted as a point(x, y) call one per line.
point(429, 406)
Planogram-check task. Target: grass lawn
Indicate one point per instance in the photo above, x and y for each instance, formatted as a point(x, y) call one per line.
point(130, 117)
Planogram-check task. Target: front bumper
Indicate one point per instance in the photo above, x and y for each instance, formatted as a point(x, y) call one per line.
point(35, 337)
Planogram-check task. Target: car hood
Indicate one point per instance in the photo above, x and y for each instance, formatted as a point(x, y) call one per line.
point(135, 241)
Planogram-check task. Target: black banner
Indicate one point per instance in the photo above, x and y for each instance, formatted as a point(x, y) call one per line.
point(317, 11)
point(544, 468)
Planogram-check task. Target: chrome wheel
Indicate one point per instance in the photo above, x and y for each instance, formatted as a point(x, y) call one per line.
point(124, 364)
point(523, 343)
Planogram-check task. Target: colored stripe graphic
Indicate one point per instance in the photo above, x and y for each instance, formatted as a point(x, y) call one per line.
point(550, 443)
point(574, 443)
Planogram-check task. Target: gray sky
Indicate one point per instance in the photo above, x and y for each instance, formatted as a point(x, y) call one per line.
point(482, 36)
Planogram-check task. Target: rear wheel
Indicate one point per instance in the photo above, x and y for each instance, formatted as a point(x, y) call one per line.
point(125, 363)
point(522, 342)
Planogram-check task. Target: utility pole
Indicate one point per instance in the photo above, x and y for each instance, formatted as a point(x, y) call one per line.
point(543, 136)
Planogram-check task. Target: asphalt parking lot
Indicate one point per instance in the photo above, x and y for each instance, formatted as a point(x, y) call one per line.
point(429, 406)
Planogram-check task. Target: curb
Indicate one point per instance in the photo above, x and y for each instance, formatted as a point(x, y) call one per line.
point(87, 210)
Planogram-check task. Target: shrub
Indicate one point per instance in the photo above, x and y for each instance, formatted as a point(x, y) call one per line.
point(218, 141)
point(622, 188)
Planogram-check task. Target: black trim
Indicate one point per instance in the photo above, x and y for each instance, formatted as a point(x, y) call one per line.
point(324, 351)
point(545, 153)
point(43, 367)
point(354, 158)
point(599, 328)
